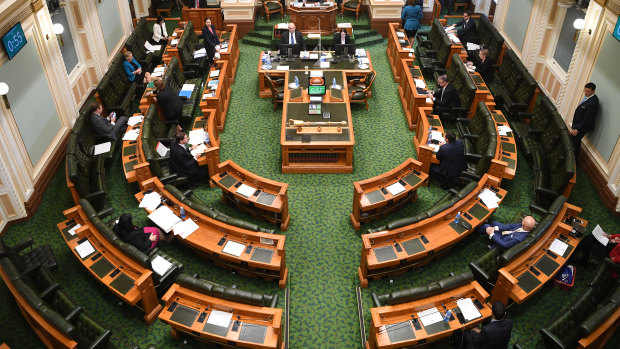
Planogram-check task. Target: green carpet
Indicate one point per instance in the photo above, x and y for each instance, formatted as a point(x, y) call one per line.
point(322, 249)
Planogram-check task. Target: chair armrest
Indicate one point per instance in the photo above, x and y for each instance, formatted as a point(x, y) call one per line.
point(517, 107)
point(550, 339)
point(105, 212)
point(545, 192)
point(101, 341)
point(470, 136)
point(27, 242)
point(534, 132)
point(541, 211)
point(440, 71)
point(198, 46)
point(191, 70)
point(74, 313)
point(470, 176)
point(49, 290)
point(524, 115)
point(464, 120)
point(95, 195)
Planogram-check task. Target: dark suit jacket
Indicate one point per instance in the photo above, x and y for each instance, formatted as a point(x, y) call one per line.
point(139, 239)
point(210, 40)
point(299, 39)
point(181, 161)
point(170, 103)
point(485, 69)
point(494, 335)
point(337, 41)
point(585, 115)
point(466, 31)
point(101, 125)
point(450, 97)
point(452, 157)
point(192, 3)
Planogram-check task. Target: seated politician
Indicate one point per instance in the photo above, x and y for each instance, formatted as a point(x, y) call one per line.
point(508, 235)
point(466, 29)
point(342, 38)
point(445, 98)
point(483, 65)
point(109, 126)
point(183, 163)
point(293, 37)
point(451, 155)
point(171, 103)
point(144, 239)
point(495, 333)
point(590, 245)
point(134, 71)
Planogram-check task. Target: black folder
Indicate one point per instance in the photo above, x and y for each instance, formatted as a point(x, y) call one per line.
point(228, 181)
point(184, 315)
point(252, 333)
point(399, 332)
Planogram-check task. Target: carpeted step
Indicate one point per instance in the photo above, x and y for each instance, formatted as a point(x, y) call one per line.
point(264, 43)
point(363, 33)
point(259, 34)
point(369, 41)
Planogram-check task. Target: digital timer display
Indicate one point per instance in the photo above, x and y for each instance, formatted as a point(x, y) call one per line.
point(14, 40)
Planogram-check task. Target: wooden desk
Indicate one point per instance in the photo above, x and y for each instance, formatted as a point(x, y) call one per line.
point(371, 199)
point(507, 144)
point(392, 326)
point(319, 19)
point(185, 307)
point(211, 156)
point(396, 51)
point(421, 242)
point(409, 95)
point(482, 94)
point(133, 154)
point(148, 97)
point(426, 153)
point(125, 278)
point(321, 152)
point(219, 97)
point(268, 201)
point(265, 260)
point(171, 49)
point(198, 15)
point(527, 273)
point(231, 53)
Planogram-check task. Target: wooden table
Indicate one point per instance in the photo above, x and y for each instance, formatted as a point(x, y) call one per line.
point(412, 97)
point(372, 200)
point(217, 96)
point(426, 153)
point(198, 15)
point(125, 278)
point(392, 252)
point(482, 94)
point(231, 53)
point(268, 200)
point(188, 311)
point(314, 19)
point(396, 51)
point(395, 326)
point(265, 259)
point(528, 273)
point(507, 144)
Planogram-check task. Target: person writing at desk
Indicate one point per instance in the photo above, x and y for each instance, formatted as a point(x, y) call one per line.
point(342, 38)
point(293, 37)
point(465, 30)
point(134, 71)
point(445, 98)
point(508, 235)
point(183, 163)
point(211, 41)
point(109, 126)
point(144, 239)
point(483, 65)
point(590, 245)
point(494, 334)
point(451, 155)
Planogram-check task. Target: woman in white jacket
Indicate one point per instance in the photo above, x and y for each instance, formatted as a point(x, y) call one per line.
point(160, 35)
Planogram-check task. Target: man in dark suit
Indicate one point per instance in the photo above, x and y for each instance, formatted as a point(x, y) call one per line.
point(211, 41)
point(508, 235)
point(109, 126)
point(196, 3)
point(445, 98)
point(182, 162)
point(584, 117)
point(170, 103)
point(466, 29)
point(293, 36)
point(493, 335)
point(451, 155)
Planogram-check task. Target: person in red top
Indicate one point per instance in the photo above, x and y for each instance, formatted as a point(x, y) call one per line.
point(590, 245)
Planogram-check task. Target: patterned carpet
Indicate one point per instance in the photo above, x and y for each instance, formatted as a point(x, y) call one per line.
point(323, 251)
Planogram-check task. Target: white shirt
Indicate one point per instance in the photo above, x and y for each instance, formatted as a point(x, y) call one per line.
point(159, 32)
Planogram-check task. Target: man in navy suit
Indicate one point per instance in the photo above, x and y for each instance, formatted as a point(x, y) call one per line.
point(182, 162)
point(293, 36)
point(452, 160)
point(493, 335)
point(445, 98)
point(508, 235)
point(466, 29)
point(584, 117)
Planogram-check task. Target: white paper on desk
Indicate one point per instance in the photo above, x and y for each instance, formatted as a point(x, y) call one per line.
point(344, 25)
point(188, 87)
point(598, 234)
point(360, 52)
point(472, 47)
point(430, 316)
point(558, 247)
point(174, 42)
point(503, 129)
point(429, 101)
point(245, 190)
point(84, 249)
point(207, 95)
point(282, 26)
point(316, 73)
point(197, 137)
point(219, 318)
point(75, 227)
point(453, 38)
point(151, 48)
point(164, 218)
point(185, 228)
point(437, 136)
point(200, 53)
point(363, 60)
point(150, 201)
point(134, 120)
point(324, 65)
point(435, 147)
point(395, 188)
point(314, 56)
point(160, 265)
point(489, 198)
point(174, 35)
point(102, 148)
point(314, 36)
point(282, 67)
point(400, 34)
point(419, 83)
point(131, 135)
point(468, 309)
point(214, 73)
point(233, 248)
point(199, 149)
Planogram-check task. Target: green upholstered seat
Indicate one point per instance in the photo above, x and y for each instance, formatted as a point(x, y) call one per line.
point(513, 86)
point(227, 293)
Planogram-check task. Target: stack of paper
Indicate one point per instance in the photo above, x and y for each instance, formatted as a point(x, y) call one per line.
point(363, 60)
point(468, 309)
point(74, 229)
point(429, 101)
point(132, 134)
point(419, 83)
point(102, 148)
point(430, 316)
point(174, 42)
point(199, 149)
point(395, 188)
point(558, 247)
point(437, 136)
point(200, 53)
point(324, 65)
point(151, 48)
point(435, 147)
point(197, 137)
point(134, 120)
point(503, 130)
point(207, 95)
point(160, 265)
point(598, 234)
point(245, 190)
point(214, 73)
point(233, 248)
point(219, 318)
point(213, 84)
point(453, 38)
point(316, 73)
point(158, 71)
point(489, 198)
point(472, 47)
point(150, 201)
point(164, 218)
point(84, 249)
point(314, 56)
point(400, 34)
point(360, 52)
point(185, 228)
point(186, 90)
point(162, 150)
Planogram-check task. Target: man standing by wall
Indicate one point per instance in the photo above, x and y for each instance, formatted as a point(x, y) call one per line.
point(584, 117)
